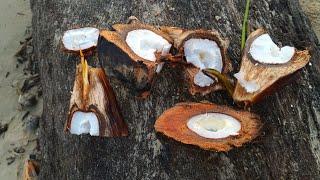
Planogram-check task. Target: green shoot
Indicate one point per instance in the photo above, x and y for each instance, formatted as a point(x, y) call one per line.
point(245, 25)
point(212, 73)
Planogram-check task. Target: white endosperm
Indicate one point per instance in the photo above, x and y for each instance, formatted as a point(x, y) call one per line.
point(264, 50)
point(203, 53)
point(80, 39)
point(249, 86)
point(202, 80)
point(146, 43)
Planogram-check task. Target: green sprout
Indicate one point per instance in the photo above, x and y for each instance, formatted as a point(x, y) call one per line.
point(245, 25)
point(227, 83)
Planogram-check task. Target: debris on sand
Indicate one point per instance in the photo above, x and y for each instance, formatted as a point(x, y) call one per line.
point(10, 160)
point(3, 128)
point(19, 150)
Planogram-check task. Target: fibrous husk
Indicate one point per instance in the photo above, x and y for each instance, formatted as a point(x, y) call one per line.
point(265, 76)
point(98, 97)
point(31, 170)
point(136, 71)
point(173, 123)
point(180, 36)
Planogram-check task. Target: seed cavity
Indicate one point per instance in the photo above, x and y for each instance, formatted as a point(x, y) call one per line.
point(203, 53)
point(84, 123)
point(214, 125)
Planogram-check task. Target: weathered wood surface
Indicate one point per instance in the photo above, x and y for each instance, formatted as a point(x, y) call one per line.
point(288, 147)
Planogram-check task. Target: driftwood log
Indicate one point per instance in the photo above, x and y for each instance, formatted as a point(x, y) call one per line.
point(288, 146)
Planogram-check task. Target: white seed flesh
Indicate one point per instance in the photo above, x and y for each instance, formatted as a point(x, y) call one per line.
point(264, 50)
point(82, 38)
point(249, 86)
point(146, 43)
point(202, 80)
point(214, 125)
point(84, 123)
point(203, 53)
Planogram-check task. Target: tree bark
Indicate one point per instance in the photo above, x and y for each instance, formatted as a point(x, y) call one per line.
point(288, 146)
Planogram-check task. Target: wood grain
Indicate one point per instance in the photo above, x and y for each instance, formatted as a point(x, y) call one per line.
point(288, 147)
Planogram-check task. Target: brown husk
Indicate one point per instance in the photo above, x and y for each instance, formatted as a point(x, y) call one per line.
point(31, 170)
point(173, 123)
point(266, 75)
point(190, 72)
point(127, 65)
point(100, 100)
point(179, 37)
point(87, 52)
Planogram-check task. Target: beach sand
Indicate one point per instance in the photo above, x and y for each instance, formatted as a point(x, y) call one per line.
point(312, 10)
point(19, 140)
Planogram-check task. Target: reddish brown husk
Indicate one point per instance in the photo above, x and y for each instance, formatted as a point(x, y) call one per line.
point(100, 100)
point(179, 37)
point(128, 66)
point(86, 52)
point(266, 75)
point(173, 123)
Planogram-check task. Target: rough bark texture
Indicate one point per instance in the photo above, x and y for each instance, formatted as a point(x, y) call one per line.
point(288, 147)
